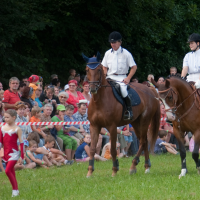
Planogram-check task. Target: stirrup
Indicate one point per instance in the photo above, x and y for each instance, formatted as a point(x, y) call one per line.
point(127, 115)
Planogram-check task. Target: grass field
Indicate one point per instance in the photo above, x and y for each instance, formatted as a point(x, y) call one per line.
point(70, 182)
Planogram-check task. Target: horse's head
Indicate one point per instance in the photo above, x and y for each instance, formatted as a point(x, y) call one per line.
point(94, 72)
point(168, 96)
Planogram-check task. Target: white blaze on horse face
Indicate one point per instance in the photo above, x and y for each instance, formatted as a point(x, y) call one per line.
point(169, 113)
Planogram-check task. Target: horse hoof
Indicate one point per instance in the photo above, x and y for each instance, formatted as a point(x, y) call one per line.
point(89, 174)
point(198, 170)
point(114, 174)
point(183, 173)
point(132, 171)
point(147, 171)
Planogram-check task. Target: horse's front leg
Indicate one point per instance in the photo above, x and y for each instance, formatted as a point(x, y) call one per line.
point(94, 132)
point(183, 158)
point(195, 156)
point(113, 151)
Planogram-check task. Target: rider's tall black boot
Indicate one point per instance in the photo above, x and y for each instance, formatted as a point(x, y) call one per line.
point(128, 115)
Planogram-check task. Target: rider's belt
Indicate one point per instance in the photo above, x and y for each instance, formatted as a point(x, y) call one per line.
point(119, 74)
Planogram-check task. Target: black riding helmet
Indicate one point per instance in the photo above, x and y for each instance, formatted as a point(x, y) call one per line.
point(194, 37)
point(114, 37)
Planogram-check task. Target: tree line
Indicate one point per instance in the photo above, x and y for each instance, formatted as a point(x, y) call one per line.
point(48, 36)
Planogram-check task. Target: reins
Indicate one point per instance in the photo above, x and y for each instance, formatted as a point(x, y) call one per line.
point(177, 107)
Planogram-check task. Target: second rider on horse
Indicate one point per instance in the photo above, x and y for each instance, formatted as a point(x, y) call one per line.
point(116, 63)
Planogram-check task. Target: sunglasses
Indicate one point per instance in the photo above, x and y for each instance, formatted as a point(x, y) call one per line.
point(72, 85)
point(63, 97)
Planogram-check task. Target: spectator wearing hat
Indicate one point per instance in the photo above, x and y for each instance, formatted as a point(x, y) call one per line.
point(72, 73)
point(11, 95)
point(74, 96)
point(69, 143)
point(50, 98)
point(26, 96)
point(63, 96)
point(66, 88)
point(20, 108)
point(34, 82)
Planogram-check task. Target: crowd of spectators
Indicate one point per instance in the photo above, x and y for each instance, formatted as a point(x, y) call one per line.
point(62, 144)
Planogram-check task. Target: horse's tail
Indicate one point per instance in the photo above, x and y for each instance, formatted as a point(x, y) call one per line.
point(154, 128)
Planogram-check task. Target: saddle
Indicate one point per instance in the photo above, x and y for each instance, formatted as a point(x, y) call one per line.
point(197, 95)
point(135, 99)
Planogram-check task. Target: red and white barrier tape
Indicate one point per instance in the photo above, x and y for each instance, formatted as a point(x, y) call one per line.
point(48, 123)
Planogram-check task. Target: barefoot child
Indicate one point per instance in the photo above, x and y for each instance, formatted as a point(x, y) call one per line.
point(83, 151)
point(54, 155)
point(9, 134)
point(163, 147)
point(27, 164)
point(39, 159)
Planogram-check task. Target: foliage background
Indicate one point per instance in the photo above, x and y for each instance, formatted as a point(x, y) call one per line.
point(48, 36)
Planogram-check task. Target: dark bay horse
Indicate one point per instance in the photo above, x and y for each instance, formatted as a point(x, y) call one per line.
point(105, 111)
point(183, 99)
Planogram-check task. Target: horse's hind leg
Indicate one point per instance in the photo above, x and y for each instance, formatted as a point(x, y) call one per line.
point(147, 164)
point(94, 132)
point(136, 160)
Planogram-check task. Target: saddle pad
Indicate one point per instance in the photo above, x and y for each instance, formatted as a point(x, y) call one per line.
point(135, 99)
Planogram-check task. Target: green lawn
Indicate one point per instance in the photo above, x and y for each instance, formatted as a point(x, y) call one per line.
point(70, 182)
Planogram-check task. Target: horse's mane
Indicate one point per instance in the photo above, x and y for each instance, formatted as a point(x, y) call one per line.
point(191, 83)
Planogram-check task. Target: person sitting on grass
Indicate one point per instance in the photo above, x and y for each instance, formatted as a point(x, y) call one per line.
point(54, 155)
point(27, 164)
point(106, 151)
point(83, 151)
point(39, 159)
point(163, 147)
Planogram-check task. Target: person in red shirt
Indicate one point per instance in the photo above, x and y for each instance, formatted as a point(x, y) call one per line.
point(11, 95)
point(74, 96)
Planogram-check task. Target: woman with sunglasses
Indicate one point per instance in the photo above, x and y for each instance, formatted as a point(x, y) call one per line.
point(63, 96)
point(74, 96)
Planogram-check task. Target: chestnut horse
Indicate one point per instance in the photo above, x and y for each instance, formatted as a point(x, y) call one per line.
point(182, 98)
point(105, 111)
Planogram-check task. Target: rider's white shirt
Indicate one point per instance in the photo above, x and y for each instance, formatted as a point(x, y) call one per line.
point(124, 61)
point(192, 61)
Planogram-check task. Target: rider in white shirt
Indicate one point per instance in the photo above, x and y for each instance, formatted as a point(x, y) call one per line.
point(116, 63)
point(191, 61)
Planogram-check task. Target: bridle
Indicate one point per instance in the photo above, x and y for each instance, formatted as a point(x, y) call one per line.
point(96, 83)
point(175, 107)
